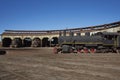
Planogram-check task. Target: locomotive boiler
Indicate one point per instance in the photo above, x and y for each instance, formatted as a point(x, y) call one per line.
point(98, 42)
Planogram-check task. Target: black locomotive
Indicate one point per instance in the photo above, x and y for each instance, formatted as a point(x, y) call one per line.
point(100, 42)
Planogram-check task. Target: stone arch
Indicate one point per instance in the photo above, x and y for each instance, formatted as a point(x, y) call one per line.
point(36, 42)
point(54, 41)
point(6, 42)
point(17, 42)
point(27, 42)
point(45, 42)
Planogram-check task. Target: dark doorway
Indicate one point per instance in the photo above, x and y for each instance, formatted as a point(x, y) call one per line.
point(27, 42)
point(17, 42)
point(6, 42)
point(45, 42)
point(54, 41)
point(36, 42)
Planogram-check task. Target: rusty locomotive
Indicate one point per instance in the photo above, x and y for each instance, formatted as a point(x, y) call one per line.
point(101, 42)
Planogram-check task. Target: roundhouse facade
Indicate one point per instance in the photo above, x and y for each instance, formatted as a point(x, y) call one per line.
point(48, 38)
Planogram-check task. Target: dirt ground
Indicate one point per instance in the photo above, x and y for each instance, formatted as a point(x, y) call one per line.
point(42, 64)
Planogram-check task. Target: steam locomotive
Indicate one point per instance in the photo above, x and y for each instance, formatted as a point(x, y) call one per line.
point(100, 42)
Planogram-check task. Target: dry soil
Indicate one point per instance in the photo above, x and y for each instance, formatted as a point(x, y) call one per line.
point(42, 64)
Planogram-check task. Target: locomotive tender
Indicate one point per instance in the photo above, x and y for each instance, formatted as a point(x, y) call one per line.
point(100, 42)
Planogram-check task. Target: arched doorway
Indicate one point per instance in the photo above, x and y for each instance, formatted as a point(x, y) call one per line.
point(6, 42)
point(54, 41)
point(17, 42)
point(27, 42)
point(45, 42)
point(36, 42)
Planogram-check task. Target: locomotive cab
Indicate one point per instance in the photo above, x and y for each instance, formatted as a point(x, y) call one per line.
point(110, 39)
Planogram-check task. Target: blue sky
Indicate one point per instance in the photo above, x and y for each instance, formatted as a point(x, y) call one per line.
point(56, 14)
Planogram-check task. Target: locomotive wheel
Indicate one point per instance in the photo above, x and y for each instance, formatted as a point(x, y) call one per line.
point(85, 50)
point(118, 51)
point(2, 52)
point(79, 51)
point(71, 51)
point(92, 50)
point(103, 51)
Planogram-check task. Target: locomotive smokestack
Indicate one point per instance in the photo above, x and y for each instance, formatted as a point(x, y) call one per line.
point(60, 34)
point(64, 33)
point(71, 33)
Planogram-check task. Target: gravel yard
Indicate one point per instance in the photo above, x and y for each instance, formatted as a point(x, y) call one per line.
point(42, 64)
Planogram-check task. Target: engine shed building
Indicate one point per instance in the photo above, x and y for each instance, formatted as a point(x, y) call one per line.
point(49, 38)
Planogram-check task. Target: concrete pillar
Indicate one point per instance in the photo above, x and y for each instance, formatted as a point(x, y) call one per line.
point(41, 42)
point(78, 34)
point(71, 34)
point(60, 34)
point(13, 44)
